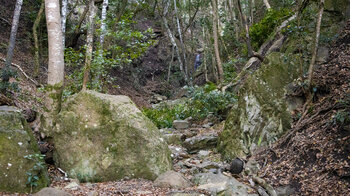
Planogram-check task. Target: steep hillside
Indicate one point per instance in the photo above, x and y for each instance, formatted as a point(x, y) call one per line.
point(314, 157)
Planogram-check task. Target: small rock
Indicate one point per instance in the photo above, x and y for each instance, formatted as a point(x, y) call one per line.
point(51, 192)
point(285, 191)
point(178, 152)
point(73, 186)
point(201, 142)
point(144, 193)
point(171, 179)
point(203, 153)
point(92, 193)
point(181, 124)
point(236, 166)
point(252, 167)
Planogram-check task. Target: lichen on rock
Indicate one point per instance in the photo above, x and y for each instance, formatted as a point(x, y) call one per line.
point(101, 137)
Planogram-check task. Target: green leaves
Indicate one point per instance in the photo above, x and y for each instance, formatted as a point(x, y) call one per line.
point(34, 172)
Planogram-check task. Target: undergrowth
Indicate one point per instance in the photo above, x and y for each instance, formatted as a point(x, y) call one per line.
point(202, 101)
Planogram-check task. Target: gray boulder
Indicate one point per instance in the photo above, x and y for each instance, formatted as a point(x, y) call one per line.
point(101, 137)
point(17, 141)
point(171, 179)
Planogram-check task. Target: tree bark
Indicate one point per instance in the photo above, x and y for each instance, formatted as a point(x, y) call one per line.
point(245, 25)
point(267, 4)
point(14, 28)
point(64, 20)
point(74, 38)
point(103, 22)
point(317, 37)
point(181, 39)
point(36, 41)
point(172, 40)
point(56, 64)
point(216, 42)
point(89, 43)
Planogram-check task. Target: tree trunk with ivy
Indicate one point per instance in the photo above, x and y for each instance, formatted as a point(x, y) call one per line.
point(89, 43)
point(36, 40)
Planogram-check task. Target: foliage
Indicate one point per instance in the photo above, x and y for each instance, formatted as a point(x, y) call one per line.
point(34, 173)
point(5, 74)
point(125, 45)
point(202, 102)
point(260, 31)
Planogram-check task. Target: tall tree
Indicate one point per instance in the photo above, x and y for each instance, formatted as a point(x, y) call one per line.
point(89, 43)
point(172, 39)
point(216, 41)
point(11, 47)
point(246, 27)
point(103, 22)
point(64, 20)
point(36, 40)
point(56, 62)
point(317, 37)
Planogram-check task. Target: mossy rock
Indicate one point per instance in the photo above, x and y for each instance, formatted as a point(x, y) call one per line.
point(101, 137)
point(17, 141)
point(261, 114)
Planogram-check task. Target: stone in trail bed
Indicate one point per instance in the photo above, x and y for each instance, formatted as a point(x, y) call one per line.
point(172, 179)
point(100, 137)
point(181, 124)
point(201, 142)
point(218, 184)
point(51, 192)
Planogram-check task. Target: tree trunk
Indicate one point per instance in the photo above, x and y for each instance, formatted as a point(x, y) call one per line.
point(64, 20)
point(103, 22)
point(172, 40)
point(317, 36)
point(36, 41)
point(74, 39)
point(89, 43)
point(171, 62)
point(216, 42)
point(245, 25)
point(181, 39)
point(14, 28)
point(56, 63)
point(267, 4)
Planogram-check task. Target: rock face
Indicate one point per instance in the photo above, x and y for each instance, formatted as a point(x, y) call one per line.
point(17, 141)
point(102, 137)
point(51, 192)
point(261, 114)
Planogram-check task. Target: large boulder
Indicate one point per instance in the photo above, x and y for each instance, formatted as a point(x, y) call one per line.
point(101, 137)
point(16, 142)
point(261, 114)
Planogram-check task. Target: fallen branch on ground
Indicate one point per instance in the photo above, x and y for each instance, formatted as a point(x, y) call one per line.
point(270, 190)
point(24, 73)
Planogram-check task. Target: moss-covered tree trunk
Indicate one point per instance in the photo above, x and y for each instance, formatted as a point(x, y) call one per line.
point(36, 40)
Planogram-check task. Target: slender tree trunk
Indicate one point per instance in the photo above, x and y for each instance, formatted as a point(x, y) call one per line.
point(245, 25)
point(14, 28)
point(181, 39)
point(216, 42)
point(172, 40)
point(233, 16)
point(267, 4)
point(64, 20)
point(56, 64)
point(171, 62)
point(89, 43)
point(103, 22)
point(317, 36)
point(36, 41)
point(74, 39)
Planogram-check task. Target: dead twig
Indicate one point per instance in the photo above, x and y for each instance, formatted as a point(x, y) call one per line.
point(21, 70)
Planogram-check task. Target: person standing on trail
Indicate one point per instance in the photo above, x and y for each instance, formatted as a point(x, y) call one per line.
point(198, 61)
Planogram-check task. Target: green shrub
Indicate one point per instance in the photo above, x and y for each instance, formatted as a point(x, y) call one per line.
point(202, 102)
point(260, 31)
